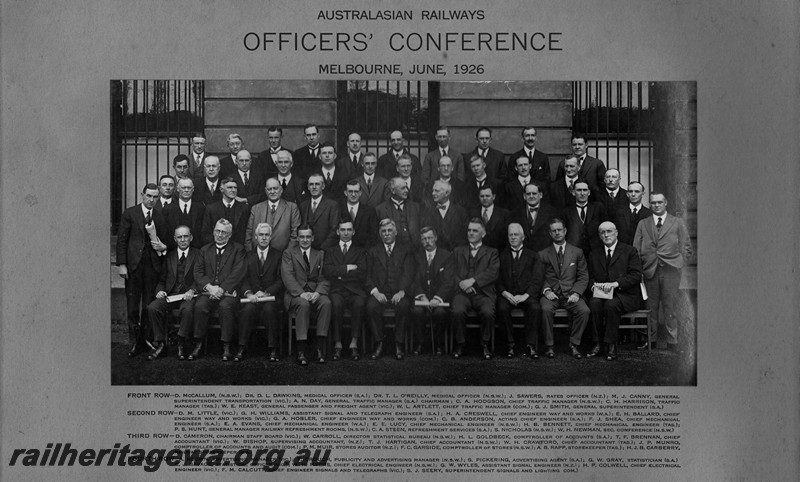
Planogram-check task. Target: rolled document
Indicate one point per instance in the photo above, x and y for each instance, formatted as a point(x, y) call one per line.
point(151, 231)
point(428, 303)
point(258, 300)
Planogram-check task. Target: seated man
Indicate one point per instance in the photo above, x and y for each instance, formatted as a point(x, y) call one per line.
point(476, 271)
point(565, 278)
point(346, 266)
point(433, 284)
point(519, 284)
point(177, 278)
point(263, 279)
point(618, 268)
point(306, 289)
point(218, 272)
point(389, 276)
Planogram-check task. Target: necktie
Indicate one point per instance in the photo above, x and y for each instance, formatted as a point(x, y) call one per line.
point(583, 214)
point(444, 153)
point(183, 258)
point(272, 210)
point(198, 159)
point(608, 256)
point(398, 206)
point(305, 258)
point(148, 218)
point(486, 215)
point(246, 179)
point(369, 182)
point(186, 208)
point(283, 183)
point(634, 212)
point(389, 251)
point(344, 249)
point(572, 184)
point(313, 152)
point(213, 187)
point(396, 155)
point(560, 256)
point(658, 224)
point(313, 207)
point(263, 257)
point(430, 258)
point(329, 177)
point(352, 215)
point(530, 156)
point(355, 159)
point(516, 255)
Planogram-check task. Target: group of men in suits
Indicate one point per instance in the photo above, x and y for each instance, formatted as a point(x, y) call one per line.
point(363, 222)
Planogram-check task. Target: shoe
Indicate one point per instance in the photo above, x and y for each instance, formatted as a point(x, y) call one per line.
point(439, 352)
point(239, 356)
point(337, 353)
point(549, 353)
point(136, 348)
point(273, 355)
point(611, 353)
point(320, 356)
point(354, 355)
point(417, 350)
point(457, 351)
point(644, 346)
point(487, 355)
point(378, 350)
point(301, 359)
point(181, 351)
point(532, 352)
point(160, 349)
point(226, 351)
point(575, 351)
point(195, 354)
point(510, 352)
point(595, 351)
point(398, 351)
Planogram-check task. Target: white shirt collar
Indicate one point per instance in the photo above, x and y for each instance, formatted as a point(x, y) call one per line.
point(183, 252)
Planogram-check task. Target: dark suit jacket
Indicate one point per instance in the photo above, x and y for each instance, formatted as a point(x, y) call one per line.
point(526, 275)
point(376, 193)
point(584, 234)
point(452, 229)
point(230, 272)
point(470, 196)
point(160, 205)
point(496, 228)
point(216, 211)
point(387, 165)
point(265, 278)
point(487, 268)
point(295, 189)
point(429, 168)
point(573, 277)
point(496, 167)
point(671, 245)
point(323, 221)
point(436, 279)
point(284, 225)
point(513, 197)
point(413, 215)
point(625, 268)
point(202, 194)
point(265, 164)
point(611, 206)
point(334, 267)
point(417, 192)
point(196, 171)
point(335, 189)
point(297, 276)
point(346, 161)
point(592, 170)
point(169, 282)
point(540, 166)
point(133, 242)
point(304, 162)
point(254, 191)
point(365, 224)
point(378, 264)
point(194, 220)
point(458, 189)
point(560, 196)
point(227, 166)
point(537, 237)
point(626, 223)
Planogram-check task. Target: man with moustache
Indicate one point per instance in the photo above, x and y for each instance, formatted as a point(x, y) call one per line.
point(430, 164)
point(496, 167)
point(177, 278)
point(612, 196)
point(263, 279)
point(185, 212)
point(218, 272)
point(405, 213)
point(447, 218)
point(206, 187)
point(139, 261)
point(346, 266)
point(433, 284)
point(539, 163)
point(616, 269)
point(283, 216)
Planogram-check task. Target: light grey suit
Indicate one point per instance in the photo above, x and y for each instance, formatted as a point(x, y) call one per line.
point(284, 224)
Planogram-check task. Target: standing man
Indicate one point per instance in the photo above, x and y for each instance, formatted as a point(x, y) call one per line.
point(185, 212)
point(616, 271)
point(520, 284)
point(182, 166)
point(306, 159)
point(206, 187)
point(566, 277)
point(416, 190)
point(430, 165)
point(387, 163)
point(405, 213)
point(495, 218)
point(662, 241)
point(293, 187)
point(390, 272)
point(198, 155)
point(447, 218)
point(351, 160)
point(583, 219)
point(139, 261)
point(534, 218)
point(249, 181)
point(228, 162)
point(237, 213)
point(282, 215)
point(477, 179)
point(445, 174)
point(218, 272)
point(514, 196)
point(433, 284)
point(268, 159)
point(307, 288)
point(628, 218)
point(591, 169)
point(263, 279)
point(321, 213)
point(166, 191)
point(612, 196)
point(365, 221)
point(496, 167)
point(335, 176)
point(476, 269)
point(539, 162)
point(177, 278)
point(562, 190)
point(374, 188)
point(346, 266)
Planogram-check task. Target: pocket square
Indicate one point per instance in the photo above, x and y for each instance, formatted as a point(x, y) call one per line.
point(441, 269)
point(572, 264)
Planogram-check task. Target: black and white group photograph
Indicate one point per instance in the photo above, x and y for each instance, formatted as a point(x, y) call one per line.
point(521, 233)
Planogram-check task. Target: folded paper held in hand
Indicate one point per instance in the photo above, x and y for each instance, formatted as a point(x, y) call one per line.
point(597, 292)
